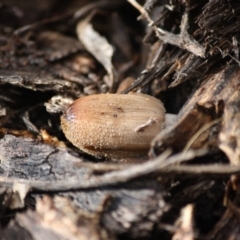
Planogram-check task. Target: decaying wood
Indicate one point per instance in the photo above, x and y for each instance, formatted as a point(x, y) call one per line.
point(40, 81)
point(229, 140)
point(188, 188)
point(183, 40)
point(205, 105)
point(16, 164)
point(57, 219)
point(49, 168)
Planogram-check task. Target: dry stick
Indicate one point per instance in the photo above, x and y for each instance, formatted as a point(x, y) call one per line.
point(182, 40)
point(189, 170)
point(202, 169)
point(111, 178)
point(95, 5)
point(40, 23)
point(80, 13)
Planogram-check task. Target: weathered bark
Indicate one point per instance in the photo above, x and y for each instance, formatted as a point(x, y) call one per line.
point(189, 188)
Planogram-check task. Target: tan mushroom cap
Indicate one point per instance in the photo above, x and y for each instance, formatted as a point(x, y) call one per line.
point(113, 125)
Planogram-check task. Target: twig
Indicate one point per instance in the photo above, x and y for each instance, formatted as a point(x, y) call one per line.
point(95, 5)
point(34, 25)
point(203, 170)
point(216, 170)
point(80, 13)
point(142, 11)
point(182, 40)
point(111, 178)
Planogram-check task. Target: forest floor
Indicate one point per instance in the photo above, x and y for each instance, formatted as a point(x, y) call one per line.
point(184, 53)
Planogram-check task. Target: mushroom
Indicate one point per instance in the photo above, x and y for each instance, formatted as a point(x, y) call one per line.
point(114, 125)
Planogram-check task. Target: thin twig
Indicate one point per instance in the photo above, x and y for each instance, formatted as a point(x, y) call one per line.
point(215, 170)
point(111, 178)
point(80, 13)
point(94, 6)
point(34, 25)
point(182, 40)
point(142, 11)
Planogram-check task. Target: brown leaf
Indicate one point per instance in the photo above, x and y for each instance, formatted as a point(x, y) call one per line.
point(97, 45)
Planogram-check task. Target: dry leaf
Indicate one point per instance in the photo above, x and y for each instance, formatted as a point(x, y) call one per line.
point(97, 45)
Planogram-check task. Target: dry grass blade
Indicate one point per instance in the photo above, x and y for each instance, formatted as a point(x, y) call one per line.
point(199, 132)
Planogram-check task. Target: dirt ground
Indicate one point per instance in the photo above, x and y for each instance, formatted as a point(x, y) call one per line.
point(184, 184)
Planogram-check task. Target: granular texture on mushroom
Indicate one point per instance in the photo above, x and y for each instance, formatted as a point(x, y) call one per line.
point(113, 125)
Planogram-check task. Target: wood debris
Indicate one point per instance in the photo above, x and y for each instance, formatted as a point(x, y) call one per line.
point(185, 53)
